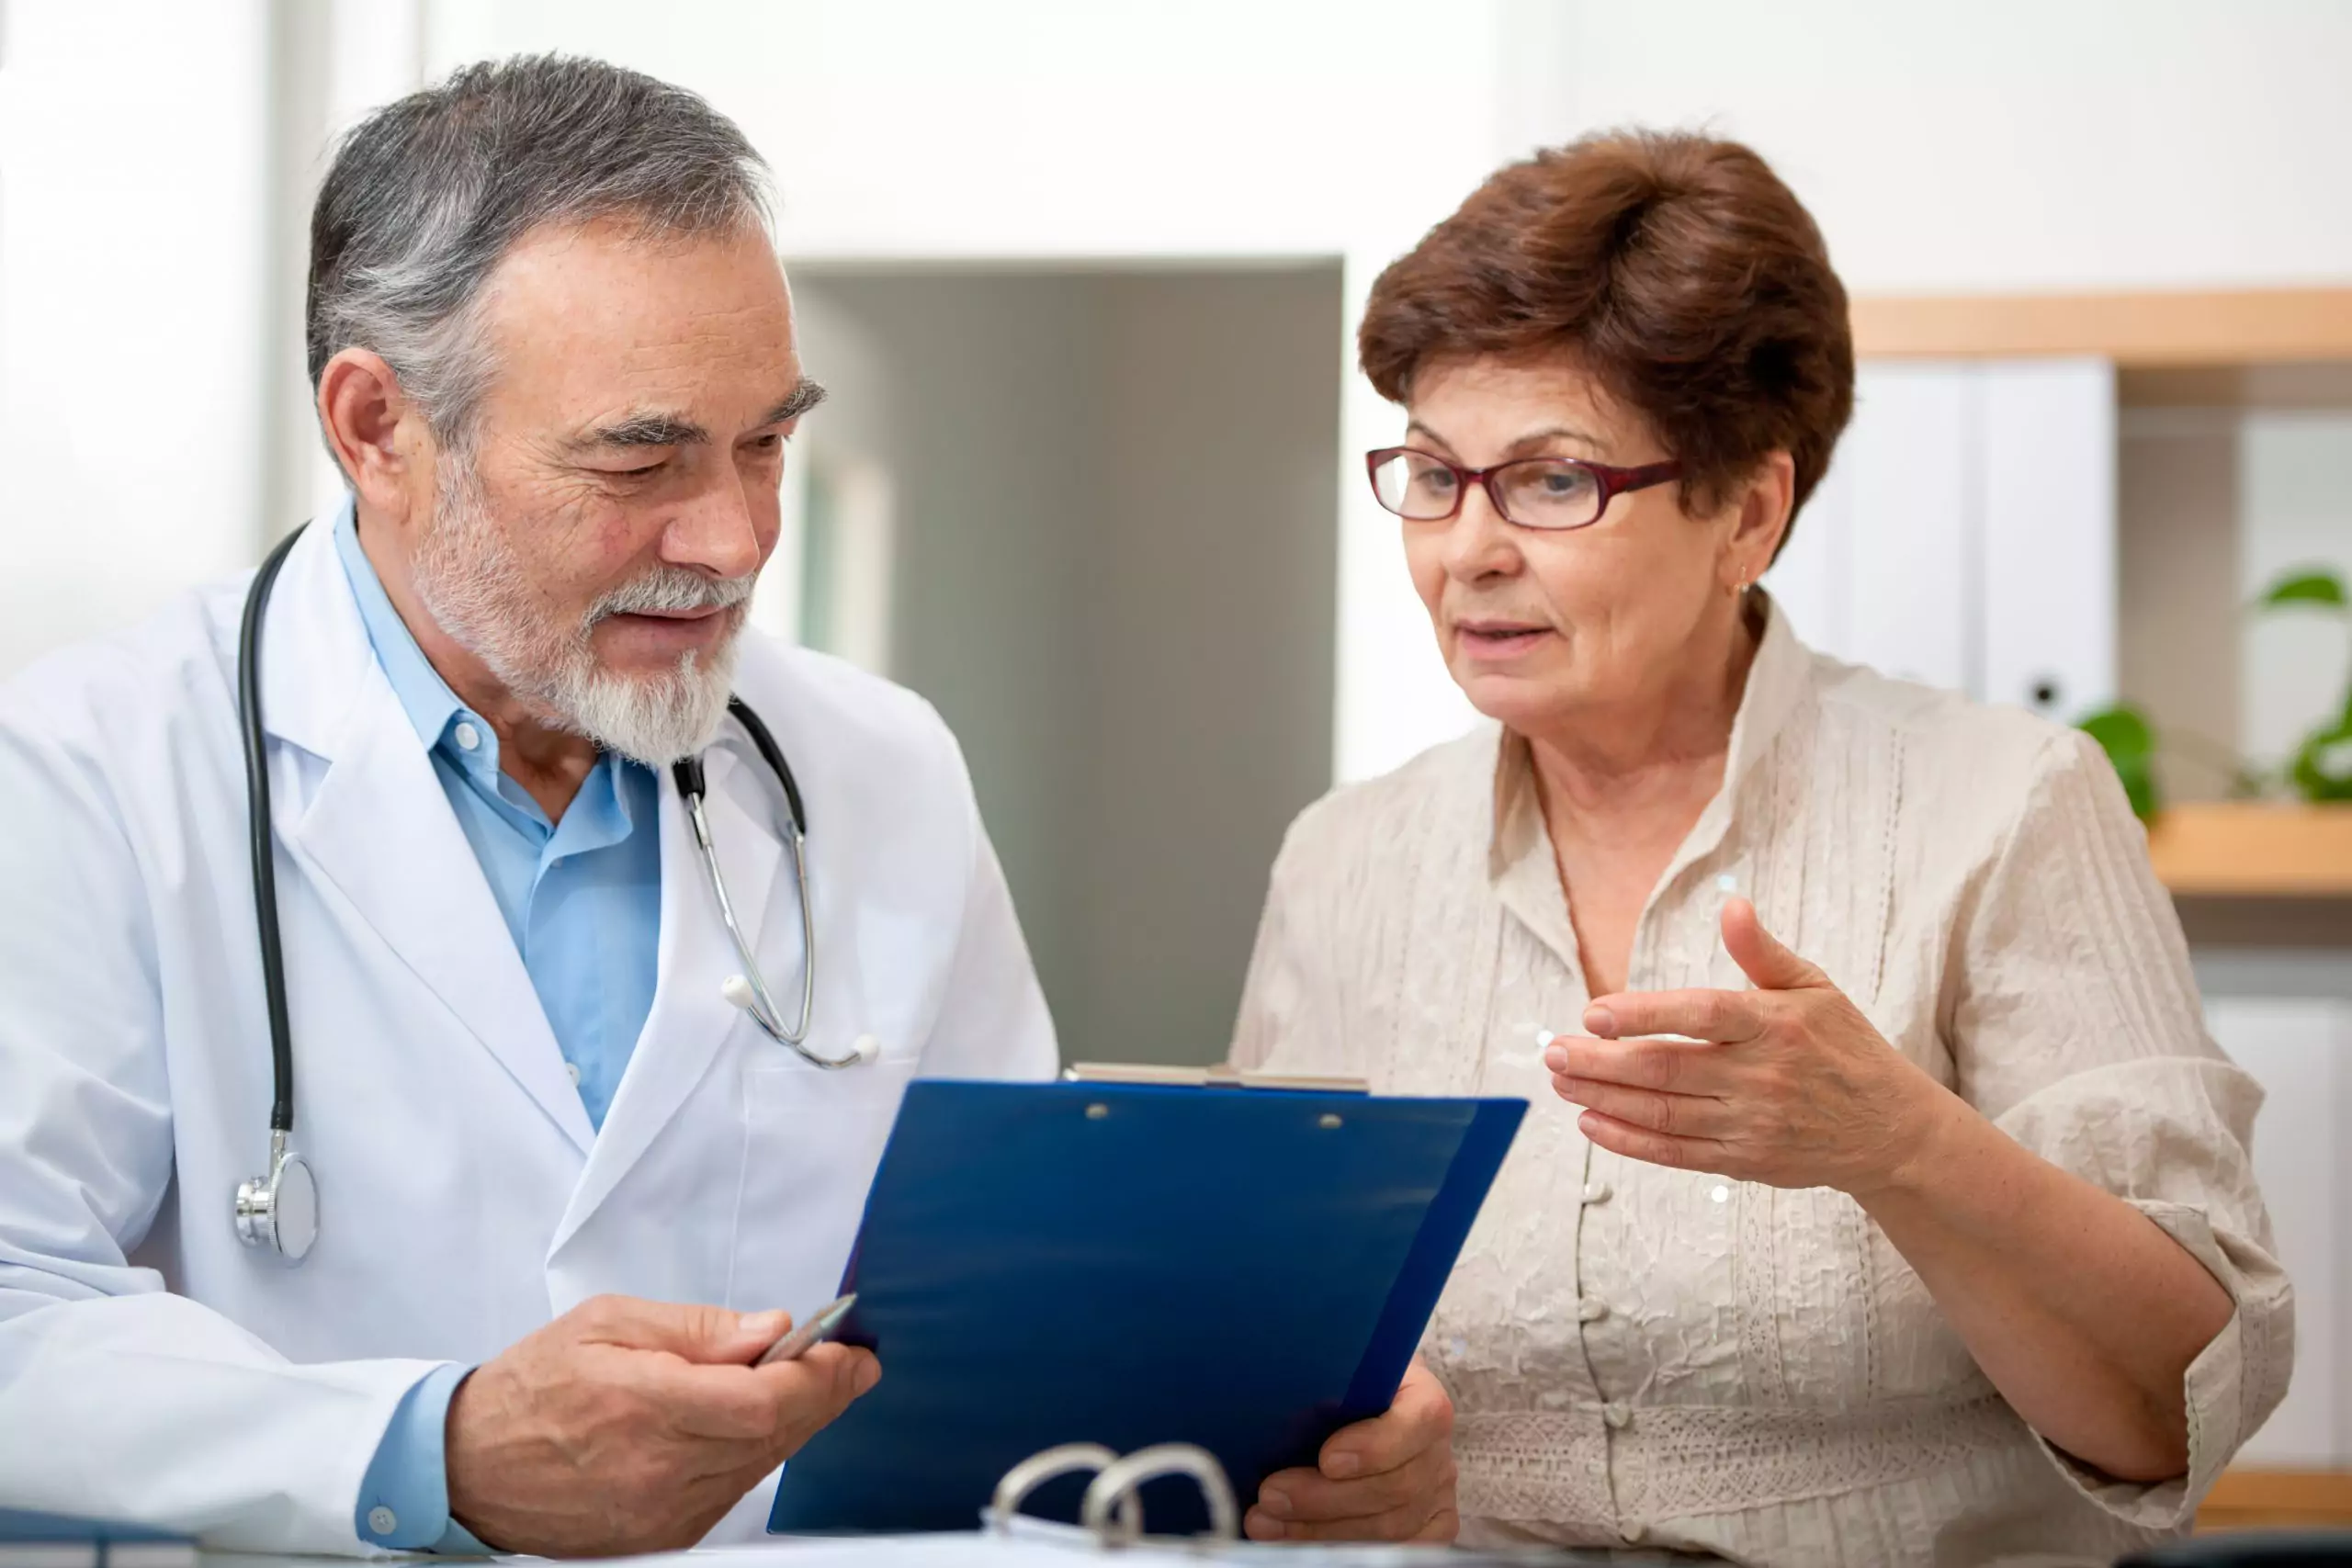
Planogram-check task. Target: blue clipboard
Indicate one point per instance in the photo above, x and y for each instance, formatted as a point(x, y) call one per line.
point(1244, 1268)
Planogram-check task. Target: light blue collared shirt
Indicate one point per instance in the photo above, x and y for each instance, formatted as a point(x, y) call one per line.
point(582, 899)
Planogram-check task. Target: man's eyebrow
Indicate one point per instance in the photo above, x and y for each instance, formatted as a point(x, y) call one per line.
point(651, 428)
point(644, 429)
point(797, 402)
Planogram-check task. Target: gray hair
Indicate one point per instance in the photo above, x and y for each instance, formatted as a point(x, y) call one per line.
point(427, 195)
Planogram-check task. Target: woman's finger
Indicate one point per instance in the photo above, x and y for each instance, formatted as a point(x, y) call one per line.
point(1655, 1149)
point(1411, 1521)
point(1726, 1017)
point(1675, 1115)
point(1307, 1494)
point(1675, 1066)
point(1761, 956)
point(1419, 1419)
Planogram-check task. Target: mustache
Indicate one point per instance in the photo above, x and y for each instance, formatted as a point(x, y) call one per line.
point(673, 589)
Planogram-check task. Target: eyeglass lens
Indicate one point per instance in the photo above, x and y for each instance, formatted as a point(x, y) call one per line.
point(1538, 492)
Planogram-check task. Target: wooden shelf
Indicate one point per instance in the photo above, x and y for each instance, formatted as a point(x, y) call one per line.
point(2255, 1499)
point(2254, 326)
point(2255, 850)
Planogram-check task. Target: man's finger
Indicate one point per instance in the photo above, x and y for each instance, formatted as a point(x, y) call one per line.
point(775, 1408)
point(1420, 1417)
point(812, 1392)
point(687, 1330)
point(728, 1404)
point(1725, 1018)
point(1761, 955)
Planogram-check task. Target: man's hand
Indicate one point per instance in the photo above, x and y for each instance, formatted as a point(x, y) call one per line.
point(1390, 1478)
point(630, 1426)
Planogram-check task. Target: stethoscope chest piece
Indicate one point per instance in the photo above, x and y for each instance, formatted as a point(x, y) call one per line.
point(280, 1211)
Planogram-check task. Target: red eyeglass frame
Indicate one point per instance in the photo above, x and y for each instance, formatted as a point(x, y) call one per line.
point(1613, 482)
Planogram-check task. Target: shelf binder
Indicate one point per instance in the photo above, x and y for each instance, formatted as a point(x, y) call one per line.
point(1243, 1270)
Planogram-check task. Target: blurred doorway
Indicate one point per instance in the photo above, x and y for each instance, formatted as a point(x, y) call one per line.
point(1091, 512)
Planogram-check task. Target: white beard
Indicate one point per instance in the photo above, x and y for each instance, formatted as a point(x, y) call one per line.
point(475, 587)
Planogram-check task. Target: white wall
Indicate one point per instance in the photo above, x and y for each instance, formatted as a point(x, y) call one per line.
point(2014, 144)
point(132, 277)
point(1056, 128)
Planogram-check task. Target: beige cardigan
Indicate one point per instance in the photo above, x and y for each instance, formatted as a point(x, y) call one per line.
point(1639, 1354)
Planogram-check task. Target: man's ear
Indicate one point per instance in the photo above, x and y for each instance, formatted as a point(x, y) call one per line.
point(378, 435)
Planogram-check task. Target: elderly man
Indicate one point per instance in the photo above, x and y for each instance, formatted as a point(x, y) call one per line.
point(604, 937)
point(553, 354)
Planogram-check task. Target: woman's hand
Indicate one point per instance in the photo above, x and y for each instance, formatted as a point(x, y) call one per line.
point(1787, 1084)
point(1390, 1478)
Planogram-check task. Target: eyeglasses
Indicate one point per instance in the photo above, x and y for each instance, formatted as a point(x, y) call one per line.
point(1533, 492)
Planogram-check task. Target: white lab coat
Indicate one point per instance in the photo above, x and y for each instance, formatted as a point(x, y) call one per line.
point(151, 1367)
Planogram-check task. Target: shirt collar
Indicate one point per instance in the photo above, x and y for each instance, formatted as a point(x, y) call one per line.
point(419, 687)
point(440, 719)
point(1776, 682)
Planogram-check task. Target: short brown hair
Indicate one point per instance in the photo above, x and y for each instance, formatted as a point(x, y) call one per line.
point(1676, 267)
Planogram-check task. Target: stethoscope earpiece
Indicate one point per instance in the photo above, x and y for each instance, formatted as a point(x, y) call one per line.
point(740, 993)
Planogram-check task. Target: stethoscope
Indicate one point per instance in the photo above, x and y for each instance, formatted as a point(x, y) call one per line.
point(280, 1211)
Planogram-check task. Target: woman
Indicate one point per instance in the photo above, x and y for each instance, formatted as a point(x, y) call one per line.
point(1925, 1233)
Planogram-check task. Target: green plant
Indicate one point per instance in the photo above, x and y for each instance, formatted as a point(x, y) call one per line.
point(2321, 768)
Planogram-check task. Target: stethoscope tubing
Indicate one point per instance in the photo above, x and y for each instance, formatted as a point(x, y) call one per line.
point(687, 774)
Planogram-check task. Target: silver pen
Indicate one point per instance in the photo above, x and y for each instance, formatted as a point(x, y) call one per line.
point(815, 1331)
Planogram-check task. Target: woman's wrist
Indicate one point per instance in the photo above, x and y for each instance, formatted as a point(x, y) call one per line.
point(1926, 1146)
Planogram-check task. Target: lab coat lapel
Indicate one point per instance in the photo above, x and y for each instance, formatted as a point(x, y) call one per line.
point(690, 1020)
point(380, 832)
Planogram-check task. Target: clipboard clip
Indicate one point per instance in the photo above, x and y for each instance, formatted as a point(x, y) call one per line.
point(1224, 1075)
point(1112, 1511)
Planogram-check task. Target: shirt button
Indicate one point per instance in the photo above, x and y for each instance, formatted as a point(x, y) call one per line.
point(467, 737)
point(572, 1071)
point(1631, 1530)
point(1591, 1309)
point(382, 1520)
point(1618, 1413)
point(1597, 1191)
